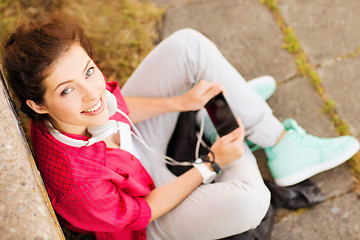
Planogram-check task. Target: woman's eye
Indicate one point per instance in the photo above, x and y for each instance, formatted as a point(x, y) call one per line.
point(66, 91)
point(89, 72)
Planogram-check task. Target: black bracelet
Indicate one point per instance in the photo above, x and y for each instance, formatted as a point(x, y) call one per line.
point(214, 165)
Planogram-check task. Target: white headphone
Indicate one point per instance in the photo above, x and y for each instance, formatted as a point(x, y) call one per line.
point(99, 133)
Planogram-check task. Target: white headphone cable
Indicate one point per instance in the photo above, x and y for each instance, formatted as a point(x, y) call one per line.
point(166, 159)
point(112, 129)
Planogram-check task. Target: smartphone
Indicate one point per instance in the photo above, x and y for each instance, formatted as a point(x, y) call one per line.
point(221, 115)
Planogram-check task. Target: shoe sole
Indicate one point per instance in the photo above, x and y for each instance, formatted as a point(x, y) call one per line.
point(309, 172)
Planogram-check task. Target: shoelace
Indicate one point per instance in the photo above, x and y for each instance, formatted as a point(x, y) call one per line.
point(300, 134)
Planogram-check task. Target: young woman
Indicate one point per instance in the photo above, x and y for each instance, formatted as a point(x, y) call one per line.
point(100, 174)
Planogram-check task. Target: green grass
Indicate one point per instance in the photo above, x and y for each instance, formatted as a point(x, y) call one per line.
point(122, 31)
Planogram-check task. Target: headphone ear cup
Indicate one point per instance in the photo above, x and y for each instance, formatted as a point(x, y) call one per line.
point(111, 102)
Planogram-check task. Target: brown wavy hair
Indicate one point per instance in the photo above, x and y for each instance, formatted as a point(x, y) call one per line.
point(30, 51)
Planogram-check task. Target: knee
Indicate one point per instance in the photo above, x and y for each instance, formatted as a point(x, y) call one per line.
point(253, 205)
point(187, 33)
point(259, 202)
point(187, 38)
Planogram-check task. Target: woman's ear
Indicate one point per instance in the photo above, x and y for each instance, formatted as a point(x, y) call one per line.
point(36, 107)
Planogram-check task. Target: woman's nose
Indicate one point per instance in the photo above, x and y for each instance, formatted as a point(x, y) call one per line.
point(88, 92)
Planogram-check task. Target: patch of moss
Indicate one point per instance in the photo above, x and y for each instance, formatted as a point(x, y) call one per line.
point(271, 4)
point(291, 44)
point(351, 55)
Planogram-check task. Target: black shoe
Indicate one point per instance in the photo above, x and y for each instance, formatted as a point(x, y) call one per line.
point(303, 194)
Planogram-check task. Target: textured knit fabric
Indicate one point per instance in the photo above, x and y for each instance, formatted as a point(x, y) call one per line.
point(95, 189)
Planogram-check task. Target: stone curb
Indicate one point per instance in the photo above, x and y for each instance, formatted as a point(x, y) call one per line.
point(25, 209)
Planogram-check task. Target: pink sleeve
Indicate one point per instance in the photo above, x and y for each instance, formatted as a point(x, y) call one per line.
point(102, 207)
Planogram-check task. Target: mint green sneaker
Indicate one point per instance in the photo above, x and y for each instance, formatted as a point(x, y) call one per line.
point(298, 155)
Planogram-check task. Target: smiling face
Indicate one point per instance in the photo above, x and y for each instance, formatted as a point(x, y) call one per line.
point(75, 93)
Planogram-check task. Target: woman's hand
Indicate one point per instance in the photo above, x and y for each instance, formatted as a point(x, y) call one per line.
point(143, 108)
point(200, 94)
point(229, 147)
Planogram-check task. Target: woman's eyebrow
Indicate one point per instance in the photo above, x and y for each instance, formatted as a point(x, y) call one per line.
point(62, 83)
point(87, 64)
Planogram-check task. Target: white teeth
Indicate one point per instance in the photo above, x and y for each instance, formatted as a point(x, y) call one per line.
point(96, 107)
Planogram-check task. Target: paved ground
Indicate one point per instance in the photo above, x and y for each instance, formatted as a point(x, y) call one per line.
point(248, 35)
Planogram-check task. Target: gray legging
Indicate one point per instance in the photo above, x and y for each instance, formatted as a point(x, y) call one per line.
point(239, 199)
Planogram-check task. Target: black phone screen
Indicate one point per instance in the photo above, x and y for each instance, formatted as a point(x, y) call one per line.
point(221, 115)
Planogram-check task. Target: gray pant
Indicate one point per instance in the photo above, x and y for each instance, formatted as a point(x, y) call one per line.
point(239, 199)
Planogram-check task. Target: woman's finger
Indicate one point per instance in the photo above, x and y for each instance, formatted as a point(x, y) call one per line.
point(209, 88)
point(238, 133)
